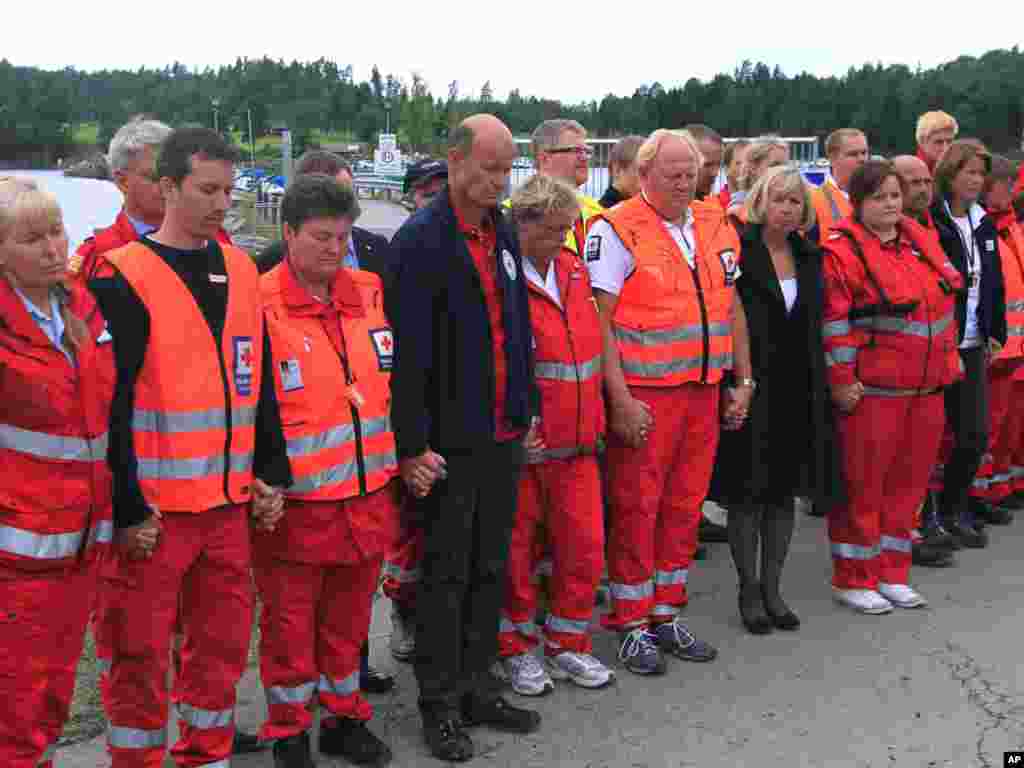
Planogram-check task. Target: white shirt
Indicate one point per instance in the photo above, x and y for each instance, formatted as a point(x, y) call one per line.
point(789, 292)
point(52, 326)
point(548, 283)
point(967, 225)
point(609, 261)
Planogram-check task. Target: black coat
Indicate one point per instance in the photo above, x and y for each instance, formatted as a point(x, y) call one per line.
point(442, 383)
point(992, 303)
point(786, 448)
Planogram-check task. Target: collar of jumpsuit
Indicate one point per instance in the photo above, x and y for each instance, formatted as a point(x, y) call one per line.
point(345, 298)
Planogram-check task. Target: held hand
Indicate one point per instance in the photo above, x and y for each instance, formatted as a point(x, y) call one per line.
point(992, 350)
point(267, 505)
point(140, 541)
point(534, 443)
point(847, 397)
point(736, 407)
point(421, 472)
point(632, 421)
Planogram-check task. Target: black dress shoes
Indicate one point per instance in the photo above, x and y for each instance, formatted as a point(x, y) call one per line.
point(498, 714)
point(446, 739)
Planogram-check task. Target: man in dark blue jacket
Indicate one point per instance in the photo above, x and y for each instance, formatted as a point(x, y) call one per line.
point(463, 400)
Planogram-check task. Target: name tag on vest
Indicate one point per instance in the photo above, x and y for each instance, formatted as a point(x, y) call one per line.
point(218, 279)
point(291, 375)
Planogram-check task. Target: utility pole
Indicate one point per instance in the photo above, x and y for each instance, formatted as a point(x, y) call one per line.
point(216, 108)
point(252, 141)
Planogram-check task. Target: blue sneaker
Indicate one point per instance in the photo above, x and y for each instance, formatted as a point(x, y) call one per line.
point(639, 652)
point(673, 637)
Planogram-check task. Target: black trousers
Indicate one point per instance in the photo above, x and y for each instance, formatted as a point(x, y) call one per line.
point(968, 417)
point(467, 524)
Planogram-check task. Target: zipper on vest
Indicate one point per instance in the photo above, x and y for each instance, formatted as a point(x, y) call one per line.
point(706, 334)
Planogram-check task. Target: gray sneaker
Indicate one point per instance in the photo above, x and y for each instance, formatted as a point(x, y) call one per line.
point(639, 653)
point(580, 668)
point(525, 674)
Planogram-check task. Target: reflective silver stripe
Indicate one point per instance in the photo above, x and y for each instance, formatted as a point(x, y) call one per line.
point(345, 687)
point(48, 755)
point(855, 551)
point(136, 738)
point(371, 427)
point(375, 462)
point(219, 764)
point(401, 575)
point(298, 694)
point(568, 626)
point(322, 441)
point(660, 370)
point(980, 483)
point(1015, 306)
point(1002, 477)
point(568, 371)
point(893, 544)
point(42, 546)
point(527, 628)
point(679, 333)
point(101, 533)
point(191, 469)
point(838, 355)
point(904, 326)
point(47, 446)
point(171, 422)
point(886, 392)
point(663, 609)
point(205, 719)
point(632, 591)
point(339, 473)
point(1015, 330)
point(103, 666)
point(836, 328)
point(667, 578)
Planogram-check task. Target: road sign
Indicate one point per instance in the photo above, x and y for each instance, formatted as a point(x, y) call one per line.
point(387, 162)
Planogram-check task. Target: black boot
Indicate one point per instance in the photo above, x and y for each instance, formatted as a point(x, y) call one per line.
point(293, 752)
point(446, 738)
point(932, 530)
point(743, 526)
point(931, 555)
point(354, 741)
point(776, 532)
point(498, 714)
point(372, 680)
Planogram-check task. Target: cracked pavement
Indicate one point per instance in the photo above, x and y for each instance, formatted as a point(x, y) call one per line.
point(932, 688)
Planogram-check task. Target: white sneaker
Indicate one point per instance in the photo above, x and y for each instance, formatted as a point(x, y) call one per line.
point(862, 600)
point(902, 595)
point(525, 674)
point(403, 636)
point(580, 668)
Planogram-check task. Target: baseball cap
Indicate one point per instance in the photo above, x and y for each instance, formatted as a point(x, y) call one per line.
point(417, 173)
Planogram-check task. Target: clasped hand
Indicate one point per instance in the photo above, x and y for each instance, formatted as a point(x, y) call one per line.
point(419, 473)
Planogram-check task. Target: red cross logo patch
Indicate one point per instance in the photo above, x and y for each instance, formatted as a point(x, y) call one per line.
point(245, 360)
point(384, 346)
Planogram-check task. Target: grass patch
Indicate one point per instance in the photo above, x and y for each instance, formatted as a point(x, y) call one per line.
point(86, 133)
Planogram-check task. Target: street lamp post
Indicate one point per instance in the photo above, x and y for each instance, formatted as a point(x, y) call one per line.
point(216, 108)
point(387, 113)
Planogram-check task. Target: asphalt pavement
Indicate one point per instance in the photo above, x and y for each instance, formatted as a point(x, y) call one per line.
point(929, 688)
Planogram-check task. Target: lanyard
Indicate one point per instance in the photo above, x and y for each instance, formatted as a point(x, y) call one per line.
point(971, 248)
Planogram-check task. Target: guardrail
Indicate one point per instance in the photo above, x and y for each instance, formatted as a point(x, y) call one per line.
point(376, 185)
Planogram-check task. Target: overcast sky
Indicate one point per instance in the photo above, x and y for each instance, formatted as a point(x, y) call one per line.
point(572, 51)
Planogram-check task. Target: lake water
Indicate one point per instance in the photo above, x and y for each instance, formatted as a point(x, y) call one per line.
point(87, 204)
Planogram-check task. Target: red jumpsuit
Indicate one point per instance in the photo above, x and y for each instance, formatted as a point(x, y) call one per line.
point(561, 495)
point(1007, 372)
point(673, 329)
point(318, 571)
point(889, 324)
point(55, 525)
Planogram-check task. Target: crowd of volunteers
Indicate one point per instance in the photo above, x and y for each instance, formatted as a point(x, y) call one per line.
point(518, 398)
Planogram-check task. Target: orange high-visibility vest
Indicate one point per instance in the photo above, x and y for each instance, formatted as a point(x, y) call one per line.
point(1011, 254)
point(55, 484)
point(332, 373)
point(830, 207)
point(194, 416)
point(889, 311)
point(567, 361)
point(673, 324)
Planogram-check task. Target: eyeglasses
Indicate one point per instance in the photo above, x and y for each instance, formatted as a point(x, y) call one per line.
point(583, 151)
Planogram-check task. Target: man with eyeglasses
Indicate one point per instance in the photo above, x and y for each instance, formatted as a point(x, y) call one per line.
point(425, 179)
point(560, 150)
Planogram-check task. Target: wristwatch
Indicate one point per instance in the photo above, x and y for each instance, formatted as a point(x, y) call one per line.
point(746, 383)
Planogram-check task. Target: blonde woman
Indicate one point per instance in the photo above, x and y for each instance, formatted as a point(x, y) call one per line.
point(783, 447)
point(56, 375)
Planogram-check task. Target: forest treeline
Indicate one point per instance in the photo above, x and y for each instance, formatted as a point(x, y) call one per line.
point(41, 109)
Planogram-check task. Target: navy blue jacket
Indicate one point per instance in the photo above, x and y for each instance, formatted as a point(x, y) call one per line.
point(442, 382)
point(992, 300)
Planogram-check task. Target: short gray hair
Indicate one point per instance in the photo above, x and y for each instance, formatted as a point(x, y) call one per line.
point(131, 139)
point(648, 151)
point(546, 135)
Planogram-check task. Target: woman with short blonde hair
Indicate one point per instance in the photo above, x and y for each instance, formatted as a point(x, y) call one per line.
point(57, 379)
point(780, 180)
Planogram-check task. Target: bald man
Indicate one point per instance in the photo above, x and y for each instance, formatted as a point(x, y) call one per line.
point(463, 401)
point(918, 188)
